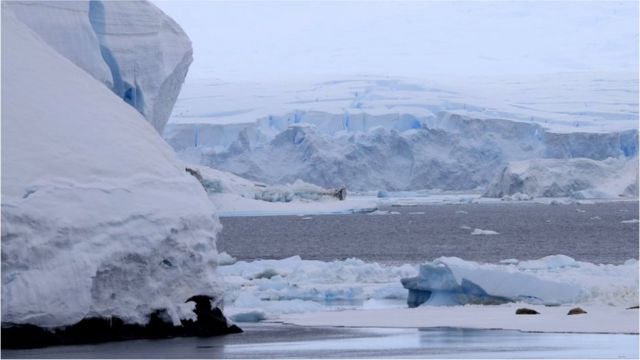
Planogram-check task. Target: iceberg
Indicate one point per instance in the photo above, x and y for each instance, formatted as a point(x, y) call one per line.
point(436, 285)
point(132, 47)
point(99, 218)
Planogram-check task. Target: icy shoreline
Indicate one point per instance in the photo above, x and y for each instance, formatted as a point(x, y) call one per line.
point(598, 320)
point(354, 293)
point(234, 205)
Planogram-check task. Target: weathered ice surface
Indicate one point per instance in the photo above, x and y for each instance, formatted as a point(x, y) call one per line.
point(436, 285)
point(578, 178)
point(130, 46)
point(386, 151)
point(99, 218)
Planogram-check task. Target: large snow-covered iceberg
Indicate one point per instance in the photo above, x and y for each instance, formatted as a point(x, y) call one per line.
point(99, 218)
point(578, 178)
point(130, 46)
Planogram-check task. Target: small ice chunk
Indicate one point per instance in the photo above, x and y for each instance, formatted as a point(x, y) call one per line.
point(549, 262)
point(632, 221)
point(509, 261)
point(255, 315)
point(484, 232)
point(225, 259)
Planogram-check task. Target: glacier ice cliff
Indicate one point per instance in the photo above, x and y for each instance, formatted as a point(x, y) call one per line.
point(99, 217)
point(385, 151)
point(130, 46)
point(577, 178)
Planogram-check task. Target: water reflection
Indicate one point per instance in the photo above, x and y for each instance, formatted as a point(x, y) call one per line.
point(286, 341)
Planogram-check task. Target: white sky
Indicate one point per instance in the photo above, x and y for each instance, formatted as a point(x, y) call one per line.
point(282, 40)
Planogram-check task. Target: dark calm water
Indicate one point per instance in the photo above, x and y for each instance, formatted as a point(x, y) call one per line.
point(587, 232)
point(287, 341)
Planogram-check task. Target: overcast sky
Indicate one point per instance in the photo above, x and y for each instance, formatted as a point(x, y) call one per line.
point(278, 40)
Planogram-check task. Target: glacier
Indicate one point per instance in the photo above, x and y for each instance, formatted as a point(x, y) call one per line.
point(133, 48)
point(99, 217)
point(389, 151)
point(577, 178)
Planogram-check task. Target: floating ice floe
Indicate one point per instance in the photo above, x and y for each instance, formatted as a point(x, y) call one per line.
point(294, 285)
point(632, 221)
point(484, 232)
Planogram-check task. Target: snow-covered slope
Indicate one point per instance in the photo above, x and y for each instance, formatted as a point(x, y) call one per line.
point(130, 46)
point(99, 218)
point(579, 178)
point(561, 102)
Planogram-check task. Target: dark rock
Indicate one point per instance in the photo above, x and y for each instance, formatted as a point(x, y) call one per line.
point(525, 311)
point(633, 307)
point(210, 321)
point(576, 311)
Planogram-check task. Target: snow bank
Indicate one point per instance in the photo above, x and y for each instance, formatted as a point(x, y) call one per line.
point(294, 285)
point(99, 218)
point(577, 178)
point(130, 46)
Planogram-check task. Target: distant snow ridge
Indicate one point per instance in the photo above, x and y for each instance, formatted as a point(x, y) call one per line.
point(577, 178)
point(391, 152)
point(141, 54)
point(99, 218)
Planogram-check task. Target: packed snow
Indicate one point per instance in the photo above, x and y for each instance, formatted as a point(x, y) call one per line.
point(99, 217)
point(130, 46)
point(577, 178)
point(274, 288)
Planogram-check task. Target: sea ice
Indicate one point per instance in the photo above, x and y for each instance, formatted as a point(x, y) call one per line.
point(298, 285)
